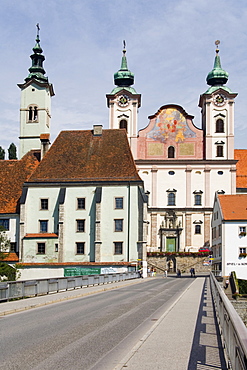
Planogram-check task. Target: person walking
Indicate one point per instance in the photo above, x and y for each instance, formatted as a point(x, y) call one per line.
point(178, 273)
point(165, 273)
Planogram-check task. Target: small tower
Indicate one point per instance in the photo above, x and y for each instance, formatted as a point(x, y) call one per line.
point(35, 110)
point(124, 102)
point(217, 105)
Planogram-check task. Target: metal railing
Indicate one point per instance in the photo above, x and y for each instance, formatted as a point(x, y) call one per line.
point(233, 330)
point(31, 288)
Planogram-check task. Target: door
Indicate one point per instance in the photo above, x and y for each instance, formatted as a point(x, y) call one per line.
point(171, 244)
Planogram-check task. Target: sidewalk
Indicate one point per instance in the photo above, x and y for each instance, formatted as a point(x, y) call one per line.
point(185, 337)
point(26, 304)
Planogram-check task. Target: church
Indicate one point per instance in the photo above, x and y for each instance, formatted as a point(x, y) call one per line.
point(103, 198)
point(182, 166)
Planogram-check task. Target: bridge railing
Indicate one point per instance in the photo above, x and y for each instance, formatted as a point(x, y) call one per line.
point(233, 330)
point(30, 288)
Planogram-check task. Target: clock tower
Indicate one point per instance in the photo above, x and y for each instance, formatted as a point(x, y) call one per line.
point(217, 105)
point(35, 110)
point(124, 102)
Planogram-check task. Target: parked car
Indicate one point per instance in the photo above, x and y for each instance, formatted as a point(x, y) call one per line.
point(204, 249)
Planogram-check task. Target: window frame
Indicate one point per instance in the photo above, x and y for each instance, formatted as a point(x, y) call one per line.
point(220, 151)
point(43, 222)
point(118, 225)
point(44, 204)
point(198, 229)
point(171, 198)
point(78, 245)
point(171, 152)
point(219, 126)
point(118, 248)
point(116, 199)
point(197, 199)
point(83, 200)
point(78, 227)
point(3, 222)
point(44, 248)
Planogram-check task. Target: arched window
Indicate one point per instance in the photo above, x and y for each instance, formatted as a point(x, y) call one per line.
point(123, 124)
point(32, 113)
point(220, 125)
point(219, 151)
point(171, 199)
point(171, 152)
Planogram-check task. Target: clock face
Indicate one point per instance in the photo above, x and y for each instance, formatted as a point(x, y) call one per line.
point(219, 100)
point(123, 100)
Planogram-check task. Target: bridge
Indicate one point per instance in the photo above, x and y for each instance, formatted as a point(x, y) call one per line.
point(189, 323)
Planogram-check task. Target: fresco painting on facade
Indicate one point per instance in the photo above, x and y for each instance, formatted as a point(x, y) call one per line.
point(170, 124)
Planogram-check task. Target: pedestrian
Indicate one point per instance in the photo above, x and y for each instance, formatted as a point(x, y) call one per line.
point(226, 284)
point(165, 273)
point(154, 272)
point(191, 272)
point(149, 271)
point(178, 273)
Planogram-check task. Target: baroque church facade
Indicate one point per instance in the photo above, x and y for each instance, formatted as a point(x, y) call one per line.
point(182, 166)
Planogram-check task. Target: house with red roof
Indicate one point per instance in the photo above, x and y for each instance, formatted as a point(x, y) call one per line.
point(83, 206)
point(229, 235)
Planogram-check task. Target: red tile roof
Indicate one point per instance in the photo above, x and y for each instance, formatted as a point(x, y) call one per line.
point(241, 156)
point(234, 207)
point(79, 156)
point(13, 174)
point(10, 257)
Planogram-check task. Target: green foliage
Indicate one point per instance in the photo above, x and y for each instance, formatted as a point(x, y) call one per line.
point(242, 286)
point(12, 151)
point(7, 272)
point(2, 153)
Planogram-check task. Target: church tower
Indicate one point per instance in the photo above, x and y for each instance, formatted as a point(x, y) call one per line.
point(35, 110)
point(217, 105)
point(124, 102)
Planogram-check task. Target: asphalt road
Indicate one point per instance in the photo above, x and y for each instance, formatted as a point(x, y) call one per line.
point(93, 332)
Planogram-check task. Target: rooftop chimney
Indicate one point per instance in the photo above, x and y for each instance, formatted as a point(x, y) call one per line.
point(97, 130)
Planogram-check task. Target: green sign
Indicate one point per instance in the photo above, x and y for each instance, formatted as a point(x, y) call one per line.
point(78, 271)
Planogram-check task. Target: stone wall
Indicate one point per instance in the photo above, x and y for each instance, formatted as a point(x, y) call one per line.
point(182, 263)
point(241, 308)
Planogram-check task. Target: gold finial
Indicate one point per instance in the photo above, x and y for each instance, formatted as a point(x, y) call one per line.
point(217, 42)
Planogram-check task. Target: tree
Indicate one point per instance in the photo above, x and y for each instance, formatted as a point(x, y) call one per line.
point(12, 151)
point(7, 272)
point(2, 153)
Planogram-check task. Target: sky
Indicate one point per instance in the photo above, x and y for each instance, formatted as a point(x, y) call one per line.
point(170, 49)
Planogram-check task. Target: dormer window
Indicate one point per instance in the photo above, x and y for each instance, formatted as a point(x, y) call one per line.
point(32, 113)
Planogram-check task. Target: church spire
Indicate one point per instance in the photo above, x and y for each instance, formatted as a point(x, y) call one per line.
point(123, 77)
point(218, 76)
point(37, 71)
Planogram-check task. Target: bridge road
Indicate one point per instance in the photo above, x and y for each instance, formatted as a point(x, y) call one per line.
point(153, 323)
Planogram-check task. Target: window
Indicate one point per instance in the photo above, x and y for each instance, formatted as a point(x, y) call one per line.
point(242, 250)
point(4, 222)
point(171, 152)
point(43, 226)
point(220, 230)
point(219, 125)
point(43, 204)
point(242, 230)
point(118, 247)
point(197, 229)
point(214, 233)
point(80, 203)
point(80, 248)
point(123, 124)
point(171, 173)
point(118, 203)
point(198, 200)
point(118, 225)
point(41, 248)
point(56, 247)
point(220, 172)
point(13, 247)
point(219, 151)
point(32, 113)
point(80, 226)
point(171, 201)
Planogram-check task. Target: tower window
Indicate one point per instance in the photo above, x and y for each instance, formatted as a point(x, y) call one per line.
point(197, 229)
point(123, 124)
point(171, 152)
point(32, 113)
point(171, 199)
point(198, 200)
point(220, 125)
point(219, 151)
